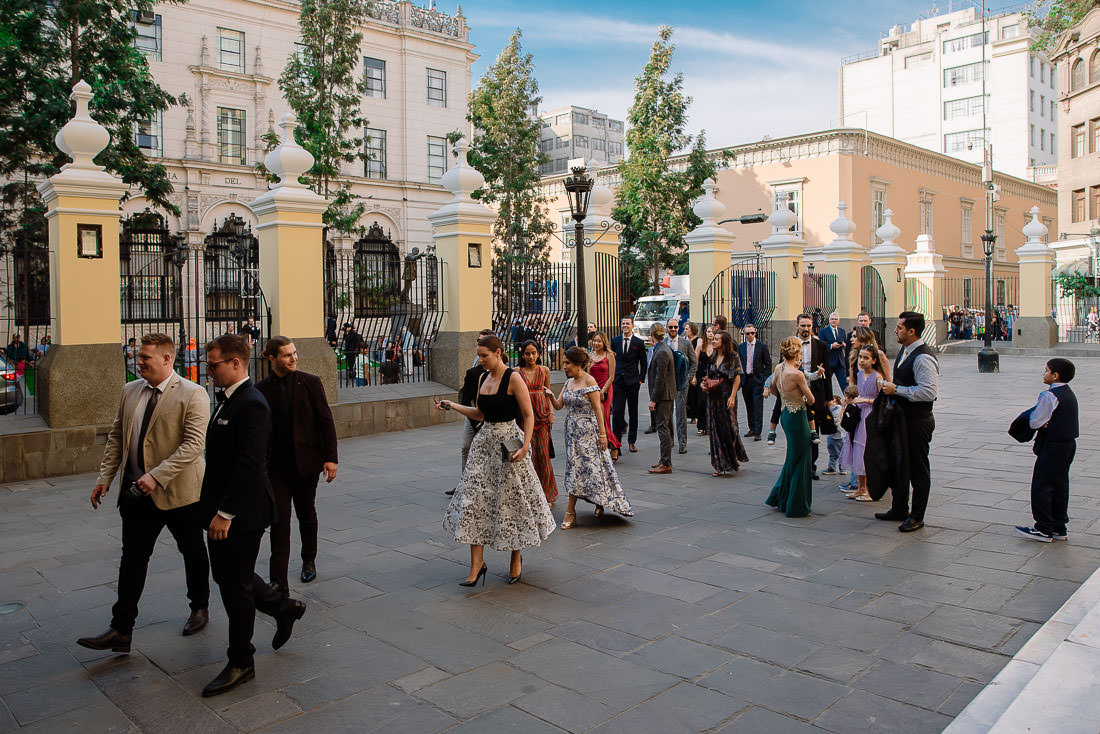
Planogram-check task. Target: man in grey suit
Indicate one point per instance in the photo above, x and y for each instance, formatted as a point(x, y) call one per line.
point(679, 412)
point(662, 394)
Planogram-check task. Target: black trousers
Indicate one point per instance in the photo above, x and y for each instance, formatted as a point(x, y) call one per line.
point(625, 399)
point(752, 390)
point(233, 563)
point(1050, 485)
point(142, 522)
point(302, 492)
point(919, 429)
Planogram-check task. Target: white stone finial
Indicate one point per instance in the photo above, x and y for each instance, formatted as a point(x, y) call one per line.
point(842, 227)
point(1034, 249)
point(1035, 230)
point(82, 138)
point(463, 179)
point(782, 219)
point(889, 231)
point(707, 207)
point(288, 160)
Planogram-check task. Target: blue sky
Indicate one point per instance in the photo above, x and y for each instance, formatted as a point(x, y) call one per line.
point(753, 68)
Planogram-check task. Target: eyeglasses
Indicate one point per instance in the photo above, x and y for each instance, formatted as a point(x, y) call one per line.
point(212, 365)
point(750, 333)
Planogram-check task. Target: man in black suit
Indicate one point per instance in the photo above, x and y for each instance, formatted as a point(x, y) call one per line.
point(303, 446)
point(630, 369)
point(239, 503)
point(836, 341)
point(756, 361)
point(352, 344)
point(815, 365)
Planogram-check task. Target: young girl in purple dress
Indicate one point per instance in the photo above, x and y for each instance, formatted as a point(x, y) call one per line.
point(868, 379)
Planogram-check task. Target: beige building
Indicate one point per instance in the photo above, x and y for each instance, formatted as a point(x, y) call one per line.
point(227, 55)
point(578, 132)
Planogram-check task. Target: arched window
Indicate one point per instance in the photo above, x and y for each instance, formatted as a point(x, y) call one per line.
point(1094, 67)
point(1077, 75)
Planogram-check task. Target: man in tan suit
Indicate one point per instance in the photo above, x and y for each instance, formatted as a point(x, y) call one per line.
point(157, 440)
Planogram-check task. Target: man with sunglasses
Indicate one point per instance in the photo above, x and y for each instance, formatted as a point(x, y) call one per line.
point(239, 504)
point(756, 361)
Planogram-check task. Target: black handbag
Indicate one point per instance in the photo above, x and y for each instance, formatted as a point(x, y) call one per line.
point(550, 441)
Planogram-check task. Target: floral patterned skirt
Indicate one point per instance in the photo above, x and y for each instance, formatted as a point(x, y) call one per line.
point(498, 504)
point(590, 475)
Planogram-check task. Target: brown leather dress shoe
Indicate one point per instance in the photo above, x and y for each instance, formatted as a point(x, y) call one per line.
point(662, 469)
point(197, 620)
point(112, 640)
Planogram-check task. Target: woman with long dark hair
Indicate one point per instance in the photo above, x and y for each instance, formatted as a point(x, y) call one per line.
point(500, 501)
point(536, 376)
point(861, 337)
point(691, 331)
point(727, 449)
point(602, 369)
point(703, 351)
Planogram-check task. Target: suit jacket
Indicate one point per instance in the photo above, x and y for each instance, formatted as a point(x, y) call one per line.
point(236, 479)
point(313, 430)
point(761, 359)
point(822, 389)
point(662, 373)
point(630, 365)
point(173, 443)
point(838, 358)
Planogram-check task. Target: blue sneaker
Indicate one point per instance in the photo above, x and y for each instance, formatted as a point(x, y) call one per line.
point(1033, 534)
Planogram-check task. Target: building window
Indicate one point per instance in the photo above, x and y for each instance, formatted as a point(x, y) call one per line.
point(599, 121)
point(1094, 139)
point(1031, 140)
point(149, 135)
point(561, 119)
point(878, 210)
point(231, 50)
point(375, 72)
point(961, 44)
point(579, 118)
point(437, 158)
point(376, 153)
point(1077, 75)
point(965, 107)
point(1031, 100)
point(231, 136)
point(918, 60)
point(1094, 65)
point(791, 197)
point(1042, 139)
point(148, 39)
point(437, 88)
point(958, 142)
point(1042, 72)
point(959, 75)
point(1042, 105)
point(559, 165)
point(1002, 250)
point(968, 292)
point(1010, 31)
point(1052, 142)
point(545, 146)
point(1077, 148)
point(580, 141)
point(967, 233)
point(614, 148)
point(1094, 201)
point(599, 144)
point(1052, 110)
point(615, 126)
point(546, 168)
point(1077, 210)
point(563, 143)
point(1031, 66)
point(926, 214)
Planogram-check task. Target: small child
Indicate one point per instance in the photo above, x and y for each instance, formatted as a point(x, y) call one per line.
point(835, 441)
point(1055, 419)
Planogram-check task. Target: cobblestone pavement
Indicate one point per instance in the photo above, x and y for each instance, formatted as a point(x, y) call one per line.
point(705, 612)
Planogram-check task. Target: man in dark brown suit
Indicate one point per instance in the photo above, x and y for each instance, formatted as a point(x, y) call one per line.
point(303, 446)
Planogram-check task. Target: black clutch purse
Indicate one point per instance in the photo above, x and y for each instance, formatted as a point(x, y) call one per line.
point(508, 447)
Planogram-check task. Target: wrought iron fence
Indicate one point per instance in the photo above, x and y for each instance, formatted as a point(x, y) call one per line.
point(745, 294)
point(818, 296)
point(26, 322)
point(873, 300)
point(1078, 316)
point(919, 298)
point(613, 296)
point(534, 301)
point(383, 311)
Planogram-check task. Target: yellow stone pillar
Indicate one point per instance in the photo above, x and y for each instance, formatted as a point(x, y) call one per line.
point(463, 234)
point(1034, 326)
point(292, 257)
point(845, 259)
point(709, 249)
point(603, 232)
point(79, 381)
point(889, 260)
point(783, 255)
point(924, 291)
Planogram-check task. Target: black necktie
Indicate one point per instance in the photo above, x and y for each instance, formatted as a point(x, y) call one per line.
point(219, 397)
point(149, 407)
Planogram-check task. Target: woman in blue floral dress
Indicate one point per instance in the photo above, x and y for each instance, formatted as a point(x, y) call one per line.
point(589, 472)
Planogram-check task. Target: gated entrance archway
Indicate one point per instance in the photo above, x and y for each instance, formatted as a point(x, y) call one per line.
point(873, 299)
point(613, 297)
point(745, 294)
point(534, 301)
point(818, 296)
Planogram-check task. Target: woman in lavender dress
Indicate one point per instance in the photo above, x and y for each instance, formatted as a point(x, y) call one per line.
point(867, 380)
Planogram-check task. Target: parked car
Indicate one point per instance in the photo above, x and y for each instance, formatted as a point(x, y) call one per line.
point(11, 392)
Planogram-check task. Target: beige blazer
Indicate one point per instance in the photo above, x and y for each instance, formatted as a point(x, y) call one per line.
point(173, 445)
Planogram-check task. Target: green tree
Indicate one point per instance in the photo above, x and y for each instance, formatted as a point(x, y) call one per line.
point(654, 199)
point(1052, 17)
point(324, 87)
point(46, 46)
point(505, 150)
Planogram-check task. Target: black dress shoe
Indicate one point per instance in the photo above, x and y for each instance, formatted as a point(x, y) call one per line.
point(910, 525)
point(890, 516)
point(450, 492)
point(309, 571)
point(228, 679)
point(112, 640)
point(197, 620)
point(816, 477)
point(285, 623)
point(650, 430)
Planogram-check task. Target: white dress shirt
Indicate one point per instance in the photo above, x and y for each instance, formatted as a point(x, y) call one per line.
point(139, 419)
point(1044, 407)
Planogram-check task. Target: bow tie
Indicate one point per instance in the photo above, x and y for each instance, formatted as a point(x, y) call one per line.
point(219, 397)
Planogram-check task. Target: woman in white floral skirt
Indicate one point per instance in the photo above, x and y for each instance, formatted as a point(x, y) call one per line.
point(589, 472)
point(500, 503)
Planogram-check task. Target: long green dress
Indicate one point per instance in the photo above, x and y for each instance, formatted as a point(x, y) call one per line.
point(793, 491)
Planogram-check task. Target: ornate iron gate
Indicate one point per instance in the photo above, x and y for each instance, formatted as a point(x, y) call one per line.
point(25, 297)
point(745, 294)
point(534, 301)
point(873, 299)
point(818, 296)
point(918, 297)
point(613, 297)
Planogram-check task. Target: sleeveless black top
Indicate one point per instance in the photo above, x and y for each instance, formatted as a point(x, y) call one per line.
point(499, 407)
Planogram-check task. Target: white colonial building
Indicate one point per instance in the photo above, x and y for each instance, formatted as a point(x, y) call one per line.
point(923, 85)
point(227, 55)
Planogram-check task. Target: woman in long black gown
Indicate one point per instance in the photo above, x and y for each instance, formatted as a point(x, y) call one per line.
point(702, 351)
point(723, 380)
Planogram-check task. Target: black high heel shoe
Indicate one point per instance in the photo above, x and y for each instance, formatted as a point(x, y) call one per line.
point(514, 579)
point(480, 577)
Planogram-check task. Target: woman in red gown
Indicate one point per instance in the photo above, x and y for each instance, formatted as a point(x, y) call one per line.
point(602, 369)
point(537, 376)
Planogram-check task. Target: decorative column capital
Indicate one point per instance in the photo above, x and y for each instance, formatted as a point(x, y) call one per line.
point(708, 208)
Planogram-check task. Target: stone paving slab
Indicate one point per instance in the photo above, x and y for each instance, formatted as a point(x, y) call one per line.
point(705, 612)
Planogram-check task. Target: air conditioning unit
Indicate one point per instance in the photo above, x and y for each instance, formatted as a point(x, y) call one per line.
point(146, 17)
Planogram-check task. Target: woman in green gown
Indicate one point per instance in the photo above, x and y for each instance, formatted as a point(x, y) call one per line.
point(793, 491)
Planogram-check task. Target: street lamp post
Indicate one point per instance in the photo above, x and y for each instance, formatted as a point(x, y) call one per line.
point(988, 358)
point(578, 189)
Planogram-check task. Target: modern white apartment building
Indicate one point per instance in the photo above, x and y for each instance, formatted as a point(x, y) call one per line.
point(227, 55)
point(923, 85)
point(579, 132)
